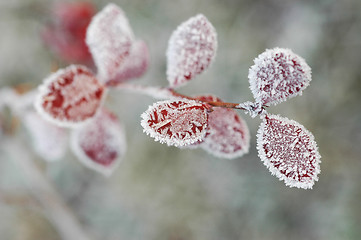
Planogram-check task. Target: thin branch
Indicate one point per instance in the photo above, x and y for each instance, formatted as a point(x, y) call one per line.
point(167, 93)
point(55, 209)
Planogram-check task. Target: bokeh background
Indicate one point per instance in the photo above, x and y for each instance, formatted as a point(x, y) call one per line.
point(165, 193)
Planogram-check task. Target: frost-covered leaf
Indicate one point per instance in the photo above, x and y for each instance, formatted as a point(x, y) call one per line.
point(134, 65)
point(69, 96)
point(227, 134)
point(191, 49)
point(48, 140)
point(65, 35)
point(109, 38)
point(100, 144)
point(289, 151)
point(178, 123)
point(278, 74)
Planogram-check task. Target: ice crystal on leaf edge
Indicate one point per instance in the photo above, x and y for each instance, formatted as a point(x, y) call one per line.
point(269, 161)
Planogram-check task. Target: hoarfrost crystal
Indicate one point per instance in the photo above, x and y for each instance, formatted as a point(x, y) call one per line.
point(191, 49)
point(251, 108)
point(69, 96)
point(278, 74)
point(109, 38)
point(289, 151)
point(100, 144)
point(177, 123)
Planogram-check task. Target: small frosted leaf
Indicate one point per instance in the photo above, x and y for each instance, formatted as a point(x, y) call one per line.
point(227, 135)
point(100, 143)
point(65, 35)
point(177, 123)
point(278, 74)
point(191, 49)
point(109, 38)
point(134, 66)
point(69, 96)
point(48, 140)
point(289, 151)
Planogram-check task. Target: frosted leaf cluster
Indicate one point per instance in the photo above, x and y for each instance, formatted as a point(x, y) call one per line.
point(278, 74)
point(72, 97)
point(177, 123)
point(69, 96)
point(100, 143)
point(191, 49)
point(134, 66)
point(48, 140)
point(289, 151)
point(109, 38)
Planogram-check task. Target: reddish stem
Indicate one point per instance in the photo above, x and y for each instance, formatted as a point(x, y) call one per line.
point(166, 93)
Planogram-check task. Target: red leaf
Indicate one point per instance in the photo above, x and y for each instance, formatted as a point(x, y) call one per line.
point(70, 96)
point(191, 49)
point(134, 66)
point(227, 134)
point(177, 123)
point(109, 38)
point(65, 35)
point(278, 74)
point(289, 151)
point(100, 144)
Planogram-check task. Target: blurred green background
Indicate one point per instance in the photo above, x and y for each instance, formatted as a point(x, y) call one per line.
point(165, 193)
